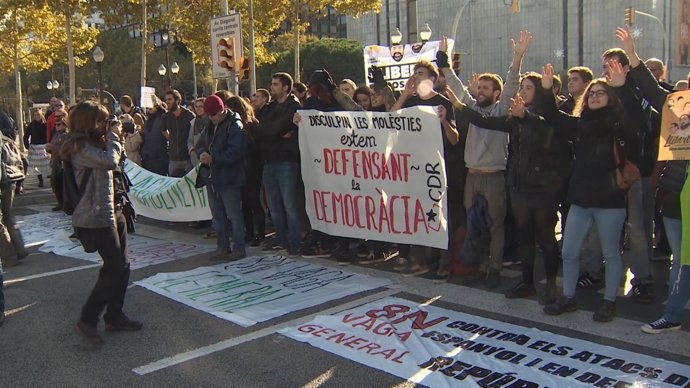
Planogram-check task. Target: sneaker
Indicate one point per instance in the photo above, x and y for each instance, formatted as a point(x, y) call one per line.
point(123, 324)
point(548, 295)
point(640, 294)
point(293, 252)
point(440, 277)
point(219, 255)
point(90, 332)
point(661, 325)
point(362, 251)
point(272, 246)
point(376, 258)
point(414, 270)
point(606, 312)
point(493, 279)
point(473, 278)
point(401, 264)
point(586, 281)
point(237, 255)
point(561, 305)
point(317, 251)
point(256, 241)
point(56, 208)
point(520, 290)
point(341, 256)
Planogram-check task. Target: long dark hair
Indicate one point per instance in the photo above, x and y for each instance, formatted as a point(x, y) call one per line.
point(614, 102)
point(87, 123)
point(242, 108)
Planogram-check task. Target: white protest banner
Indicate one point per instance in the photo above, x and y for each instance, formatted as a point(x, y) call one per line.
point(52, 230)
point(378, 176)
point(165, 198)
point(674, 143)
point(148, 96)
point(444, 348)
point(141, 251)
point(259, 288)
point(397, 62)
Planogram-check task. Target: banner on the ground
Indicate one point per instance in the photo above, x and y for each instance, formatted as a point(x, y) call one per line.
point(377, 176)
point(259, 288)
point(444, 348)
point(165, 198)
point(674, 143)
point(53, 230)
point(397, 62)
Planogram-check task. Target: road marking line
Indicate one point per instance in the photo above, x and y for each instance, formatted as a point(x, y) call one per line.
point(52, 273)
point(231, 342)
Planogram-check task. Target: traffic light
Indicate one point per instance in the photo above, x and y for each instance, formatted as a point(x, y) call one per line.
point(630, 16)
point(456, 62)
point(245, 71)
point(226, 53)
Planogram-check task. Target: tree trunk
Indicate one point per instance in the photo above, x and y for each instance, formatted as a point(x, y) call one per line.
point(20, 106)
point(295, 28)
point(70, 56)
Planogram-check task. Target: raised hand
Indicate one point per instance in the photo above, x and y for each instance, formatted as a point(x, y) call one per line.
point(443, 44)
point(410, 86)
point(520, 47)
point(547, 76)
point(473, 84)
point(627, 42)
point(376, 76)
point(517, 107)
point(451, 97)
point(615, 76)
point(296, 118)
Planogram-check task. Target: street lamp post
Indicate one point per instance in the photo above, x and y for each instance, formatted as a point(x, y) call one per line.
point(166, 42)
point(174, 69)
point(161, 71)
point(99, 56)
point(53, 85)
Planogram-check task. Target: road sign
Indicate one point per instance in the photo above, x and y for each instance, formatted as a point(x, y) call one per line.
point(225, 29)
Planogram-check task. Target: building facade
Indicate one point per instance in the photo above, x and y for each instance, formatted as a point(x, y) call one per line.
point(565, 32)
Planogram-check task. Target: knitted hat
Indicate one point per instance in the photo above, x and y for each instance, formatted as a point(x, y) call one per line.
point(213, 104)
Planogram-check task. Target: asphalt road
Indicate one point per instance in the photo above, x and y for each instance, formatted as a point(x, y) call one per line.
point(42, 349)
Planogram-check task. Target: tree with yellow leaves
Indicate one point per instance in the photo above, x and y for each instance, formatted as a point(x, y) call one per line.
point(33, 36)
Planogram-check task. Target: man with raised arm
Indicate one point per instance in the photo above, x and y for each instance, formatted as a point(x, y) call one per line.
point(486, 151)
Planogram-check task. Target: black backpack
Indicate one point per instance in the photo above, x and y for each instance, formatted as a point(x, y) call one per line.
point(71, 192)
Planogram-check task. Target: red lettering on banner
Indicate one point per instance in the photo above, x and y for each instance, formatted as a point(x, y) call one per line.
point(318, 205)
point(373, 165)
point(419, 217)
point(419, 317)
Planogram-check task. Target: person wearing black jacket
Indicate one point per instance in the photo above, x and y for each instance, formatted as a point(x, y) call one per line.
point(277, 138)
point(673, 178)
point(608, 116)
point(154, 150)
point(538, 160)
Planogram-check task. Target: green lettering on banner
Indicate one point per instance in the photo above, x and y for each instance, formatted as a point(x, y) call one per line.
point(138, 188)
point(162, 195)
point(158, 205)
point(220, 287)
point(243, 298)
point(191, 185)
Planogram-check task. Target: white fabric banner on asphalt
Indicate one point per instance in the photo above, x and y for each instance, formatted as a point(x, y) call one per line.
point(259, 288)
point(167, 199)
point(53, 230)
point(443, 348)
point(378, 176)
point(397, 62)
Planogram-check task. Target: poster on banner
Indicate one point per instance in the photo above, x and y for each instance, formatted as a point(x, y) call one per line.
point(378, 176)
point(675, 127)
point(166, 198)
point(443, 348)
point(148, 96)
point(259, 288)
point(397, 62)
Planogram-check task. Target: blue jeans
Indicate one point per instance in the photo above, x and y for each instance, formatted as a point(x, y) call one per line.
point(679, 291)
point(674, 234)
point(280, 184)
point(640, 225)
point(609, 224)
point(226, 204)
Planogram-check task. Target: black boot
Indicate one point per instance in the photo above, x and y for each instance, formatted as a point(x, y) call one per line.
point(40, 180)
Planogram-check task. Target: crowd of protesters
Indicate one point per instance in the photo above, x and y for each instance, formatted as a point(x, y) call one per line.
point(517, 151)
